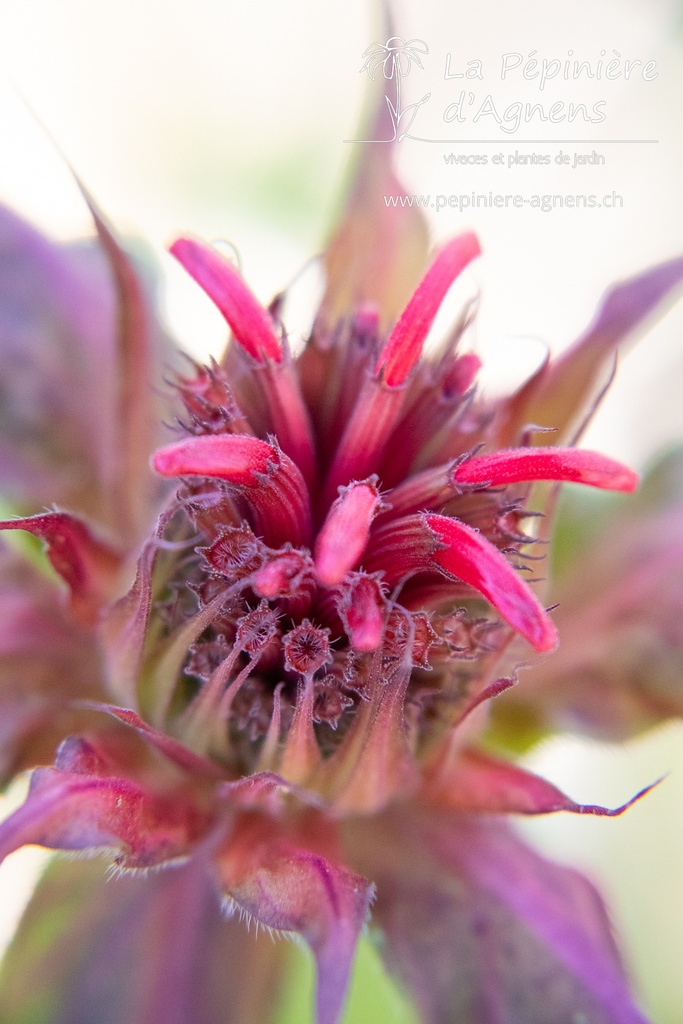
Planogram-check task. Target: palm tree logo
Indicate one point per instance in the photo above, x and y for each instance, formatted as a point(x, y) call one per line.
point(396, 58)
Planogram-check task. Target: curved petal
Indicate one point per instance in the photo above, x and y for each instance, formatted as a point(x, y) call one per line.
point(470, 557)
point(516, 465)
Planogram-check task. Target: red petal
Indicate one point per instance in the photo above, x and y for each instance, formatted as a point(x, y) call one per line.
point(86, 564)
point(267, 478)
point(344, 534)
point(248, 320)
point(360, 606)
point(290, 888)
point(404, 346)
point(470, 557)
point(238, 458)
point(515, 465)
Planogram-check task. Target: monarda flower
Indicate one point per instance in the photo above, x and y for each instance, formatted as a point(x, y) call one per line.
point(276, 697)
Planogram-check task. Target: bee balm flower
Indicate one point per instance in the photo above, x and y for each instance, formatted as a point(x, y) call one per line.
point(285, 704)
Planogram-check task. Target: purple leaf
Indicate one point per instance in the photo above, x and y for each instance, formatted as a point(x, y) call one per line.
point(136, 949)
point(46, 661)
point(480, 928)
point(564, 392)
point(57, 364)
point(171, 748)
point(478, 783)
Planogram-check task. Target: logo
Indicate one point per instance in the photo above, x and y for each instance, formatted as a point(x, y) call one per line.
point(395, 58)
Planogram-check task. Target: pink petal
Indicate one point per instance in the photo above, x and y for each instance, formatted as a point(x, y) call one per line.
point(248, 320)
point(515, 465)
point(344, 534)
point(404, 346)
point(470, 557)
point(265, 476)
point(361, 608)
point(479, 783)
point(86, 564)
point(288, 887)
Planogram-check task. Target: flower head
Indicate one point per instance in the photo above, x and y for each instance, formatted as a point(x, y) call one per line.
point(286, 699)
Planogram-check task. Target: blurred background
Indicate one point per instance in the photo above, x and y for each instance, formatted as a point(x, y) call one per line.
point(230, 121)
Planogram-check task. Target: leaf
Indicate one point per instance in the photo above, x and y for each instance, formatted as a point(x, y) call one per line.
point(57, 369)
point(564, 392)
point(478, 783)
point(46, 661)
point(86, 564)
point(143, 950)
point(377, 252)
point(619, 666)
point(481, 929)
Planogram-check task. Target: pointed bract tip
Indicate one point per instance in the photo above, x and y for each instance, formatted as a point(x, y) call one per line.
point(404, 346)
point(248, 320)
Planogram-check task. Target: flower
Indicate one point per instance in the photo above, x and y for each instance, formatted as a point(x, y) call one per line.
point(274, 694)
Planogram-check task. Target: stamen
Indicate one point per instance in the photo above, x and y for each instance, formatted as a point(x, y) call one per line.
point(248, 320)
